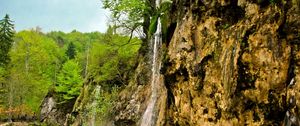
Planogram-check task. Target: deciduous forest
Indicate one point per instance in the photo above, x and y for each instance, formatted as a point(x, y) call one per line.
point(34, 64)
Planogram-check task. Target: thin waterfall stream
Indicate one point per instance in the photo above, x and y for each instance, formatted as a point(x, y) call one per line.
point(94, 105)
point(149, 116)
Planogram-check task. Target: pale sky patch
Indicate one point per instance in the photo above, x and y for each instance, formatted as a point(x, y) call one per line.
point(54, 15)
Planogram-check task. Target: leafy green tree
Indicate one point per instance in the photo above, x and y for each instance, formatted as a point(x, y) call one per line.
point(133, 15)
point(69, 81)
point(71, 51)
point(6, 39)
point(130, 15)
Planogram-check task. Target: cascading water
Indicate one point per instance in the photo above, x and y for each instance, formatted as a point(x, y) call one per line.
point(94, 106)
point(149, 115)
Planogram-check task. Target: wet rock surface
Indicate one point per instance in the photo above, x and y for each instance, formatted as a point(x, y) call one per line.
point(229, 62)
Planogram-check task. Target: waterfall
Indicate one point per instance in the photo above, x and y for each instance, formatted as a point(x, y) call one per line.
point(94, 105)
point(149, 116)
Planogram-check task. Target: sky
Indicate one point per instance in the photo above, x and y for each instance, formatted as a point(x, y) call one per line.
point(56, 15)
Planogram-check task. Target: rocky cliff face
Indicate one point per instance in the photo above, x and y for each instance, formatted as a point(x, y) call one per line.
point(53, 112)
point(228, 62)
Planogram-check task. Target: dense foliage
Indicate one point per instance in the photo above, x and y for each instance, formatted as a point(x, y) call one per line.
point(32, 68)
point(112, 60)
point(33, 63)
point(60, 62)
